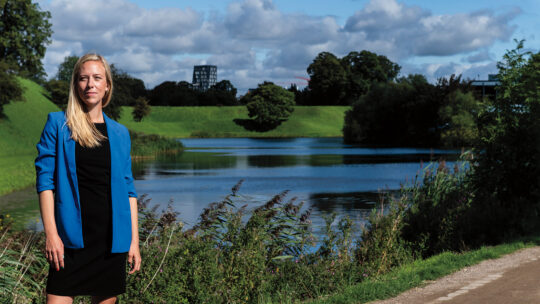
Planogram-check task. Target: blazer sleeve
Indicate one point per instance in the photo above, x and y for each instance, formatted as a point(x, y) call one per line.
point(127, 170)
point(45, 162)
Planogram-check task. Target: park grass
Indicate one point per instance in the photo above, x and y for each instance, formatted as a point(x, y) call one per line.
point(20, 130)
point(184, 122)
point(420, 272)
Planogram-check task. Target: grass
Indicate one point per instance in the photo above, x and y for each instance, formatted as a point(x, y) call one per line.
point(21, 128)
point(421, 271)
point(184, 122)
point(19, 133)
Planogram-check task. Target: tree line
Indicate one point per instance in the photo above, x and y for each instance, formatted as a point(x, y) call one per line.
point(130, 91)
point(385, 109)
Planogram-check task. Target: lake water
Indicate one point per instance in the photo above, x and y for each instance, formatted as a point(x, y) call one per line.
point(327, 175)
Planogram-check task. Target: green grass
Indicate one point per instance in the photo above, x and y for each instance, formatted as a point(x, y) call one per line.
point(19, 133)
point(421, 271)
point(183, 122)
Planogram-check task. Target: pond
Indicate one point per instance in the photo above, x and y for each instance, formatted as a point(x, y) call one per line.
point(325, 174)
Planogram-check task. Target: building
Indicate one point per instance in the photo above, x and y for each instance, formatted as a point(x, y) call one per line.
point(204, 77)
point(486, 88)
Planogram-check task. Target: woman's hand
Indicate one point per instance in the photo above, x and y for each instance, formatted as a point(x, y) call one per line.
point(134, 257)
point(54, 251)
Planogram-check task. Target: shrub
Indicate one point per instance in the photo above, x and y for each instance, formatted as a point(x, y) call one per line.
point(382, 246)
point(141, 109)
point(145, 145)
point(438, 202)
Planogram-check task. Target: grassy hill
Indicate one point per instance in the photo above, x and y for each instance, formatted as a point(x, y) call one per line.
point(21, 128)
point(19, 133)
point(183, 122)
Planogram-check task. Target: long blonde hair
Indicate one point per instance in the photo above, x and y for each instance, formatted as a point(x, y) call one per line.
point(78, 120)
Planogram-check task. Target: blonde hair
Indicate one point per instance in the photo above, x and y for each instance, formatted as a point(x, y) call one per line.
point(78, 120)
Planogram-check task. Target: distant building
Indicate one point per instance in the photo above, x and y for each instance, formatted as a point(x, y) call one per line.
point(486, 88)
point(204, 77)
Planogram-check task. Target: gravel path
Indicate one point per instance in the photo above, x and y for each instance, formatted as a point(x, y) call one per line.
point(512, 278)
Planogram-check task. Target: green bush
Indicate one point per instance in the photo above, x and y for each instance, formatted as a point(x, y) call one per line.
point(507, 173)
point(382, 246)
point(147, 145)
point(438, 202)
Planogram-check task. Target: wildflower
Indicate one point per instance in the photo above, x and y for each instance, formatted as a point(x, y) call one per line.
point(365, 275)
point(7, 215)
point(160, 270)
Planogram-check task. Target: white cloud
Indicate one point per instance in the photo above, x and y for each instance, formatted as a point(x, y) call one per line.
point(164, 44)
point(417, 32)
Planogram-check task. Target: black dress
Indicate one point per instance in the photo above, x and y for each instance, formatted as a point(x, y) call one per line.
point(92, 270)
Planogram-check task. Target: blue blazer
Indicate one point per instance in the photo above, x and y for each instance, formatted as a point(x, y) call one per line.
point(56, 170)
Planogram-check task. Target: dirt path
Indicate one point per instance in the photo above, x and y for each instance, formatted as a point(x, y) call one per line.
point(514, 278)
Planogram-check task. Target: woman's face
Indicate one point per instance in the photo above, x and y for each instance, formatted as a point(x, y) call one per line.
point(92, 83)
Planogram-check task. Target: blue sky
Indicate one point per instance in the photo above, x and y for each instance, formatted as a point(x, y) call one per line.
point(256, 40)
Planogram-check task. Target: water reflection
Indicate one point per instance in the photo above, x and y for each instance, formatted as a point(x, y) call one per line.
point(327, 175)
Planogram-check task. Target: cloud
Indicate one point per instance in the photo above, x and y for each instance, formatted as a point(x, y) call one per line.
point(417, 32)
point(480, 56)
point(169, 22)
point(434, 71)
point(252, 40)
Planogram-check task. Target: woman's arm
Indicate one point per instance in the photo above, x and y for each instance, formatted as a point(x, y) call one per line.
point(134, 255)
point(54, 247)
point(45, 185)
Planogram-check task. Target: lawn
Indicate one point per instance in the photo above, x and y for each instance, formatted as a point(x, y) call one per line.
point(183, 122)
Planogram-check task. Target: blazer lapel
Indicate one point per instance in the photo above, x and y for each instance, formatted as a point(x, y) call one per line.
point(114, 141)
point(69, 151)
point(69, 156)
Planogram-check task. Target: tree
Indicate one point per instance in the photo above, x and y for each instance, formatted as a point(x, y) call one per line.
point(222, 93)
point(9, 87)
point(25, 31)
point(141, 109)
point(365, 68)
point(170, 93)
point(59, 91)
point(398, 113)
point(269, 105)
point(58, 87)
point(328, 80)
point(507, 169)
point(335, 81)
point(66, 68)
point(459, 120)
point(126, 87)
point(225, 86)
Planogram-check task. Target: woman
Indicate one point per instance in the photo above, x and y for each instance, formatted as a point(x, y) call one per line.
point(86, 195)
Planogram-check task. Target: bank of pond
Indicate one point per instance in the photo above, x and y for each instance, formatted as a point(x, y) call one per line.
point(265, 256)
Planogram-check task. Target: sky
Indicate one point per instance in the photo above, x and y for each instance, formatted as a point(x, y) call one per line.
point(252, 41)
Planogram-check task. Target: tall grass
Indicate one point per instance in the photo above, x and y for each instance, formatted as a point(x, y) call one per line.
point(22, 265)
point(266, 254)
